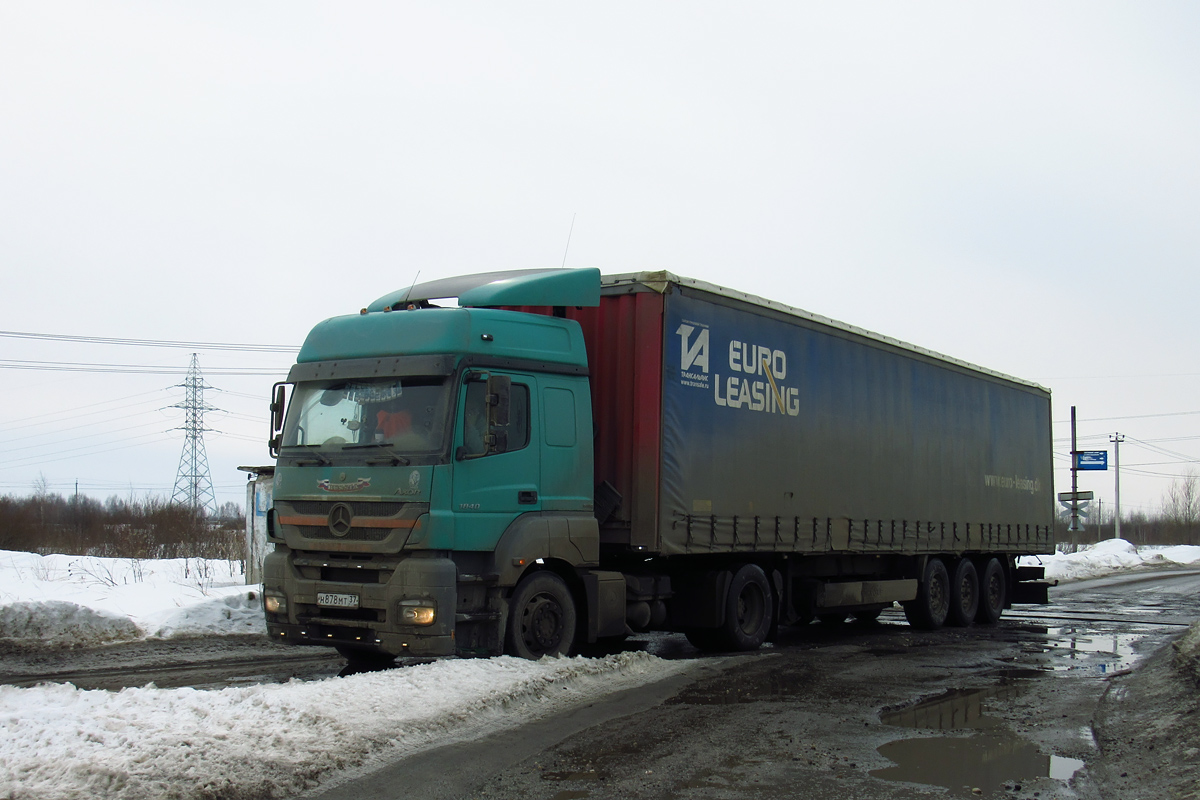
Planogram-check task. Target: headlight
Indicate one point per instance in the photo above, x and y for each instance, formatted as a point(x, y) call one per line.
point(275, 603)
point(417, 612)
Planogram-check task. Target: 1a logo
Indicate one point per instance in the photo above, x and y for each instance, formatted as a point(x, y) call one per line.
point(693, 353)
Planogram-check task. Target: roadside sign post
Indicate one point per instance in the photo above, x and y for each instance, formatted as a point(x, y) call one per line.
point(1075, 526)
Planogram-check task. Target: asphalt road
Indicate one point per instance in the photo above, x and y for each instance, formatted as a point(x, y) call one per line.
point(850, 711)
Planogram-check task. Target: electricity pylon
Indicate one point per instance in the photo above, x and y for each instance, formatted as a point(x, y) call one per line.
point(193, 482)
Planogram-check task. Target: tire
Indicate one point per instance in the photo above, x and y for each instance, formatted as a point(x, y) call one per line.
point(964, 594)
point(993, 593)
point(749, 609)
point(541, 617)
point(932, 604)
point(749, 613)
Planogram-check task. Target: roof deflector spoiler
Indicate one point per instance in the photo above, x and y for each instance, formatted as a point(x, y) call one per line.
point(520, 287)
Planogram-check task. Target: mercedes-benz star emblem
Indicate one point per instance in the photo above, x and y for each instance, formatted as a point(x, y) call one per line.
point(341, 516)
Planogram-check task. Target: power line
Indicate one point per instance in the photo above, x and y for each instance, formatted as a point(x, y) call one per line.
point(237, 346)
point(89, 406)
point(1133, 416)
point(63, 455)
point(129, 369)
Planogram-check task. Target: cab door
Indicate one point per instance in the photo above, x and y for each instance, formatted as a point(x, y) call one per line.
point(497, 466)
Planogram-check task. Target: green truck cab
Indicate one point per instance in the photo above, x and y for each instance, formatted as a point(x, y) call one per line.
point(434, 476)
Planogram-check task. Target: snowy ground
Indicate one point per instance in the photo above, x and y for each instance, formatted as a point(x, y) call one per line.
point(57, 741)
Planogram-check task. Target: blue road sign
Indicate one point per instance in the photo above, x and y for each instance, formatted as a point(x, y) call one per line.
point(1091, 459)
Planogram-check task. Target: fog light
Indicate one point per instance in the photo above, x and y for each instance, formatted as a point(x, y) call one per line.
point(417, 612)
point(275, 604)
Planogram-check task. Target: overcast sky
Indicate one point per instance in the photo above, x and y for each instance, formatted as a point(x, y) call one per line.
point(1014, 184)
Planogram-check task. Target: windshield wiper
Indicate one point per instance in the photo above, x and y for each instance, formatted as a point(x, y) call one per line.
point(320, 458)
point(395, 457)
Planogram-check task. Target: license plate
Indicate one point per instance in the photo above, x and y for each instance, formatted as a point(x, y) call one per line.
point(337, 600)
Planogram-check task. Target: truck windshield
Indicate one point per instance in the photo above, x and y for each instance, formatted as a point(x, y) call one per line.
point(408, 414)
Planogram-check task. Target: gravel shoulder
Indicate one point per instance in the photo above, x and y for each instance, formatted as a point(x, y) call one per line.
point(1147, 727)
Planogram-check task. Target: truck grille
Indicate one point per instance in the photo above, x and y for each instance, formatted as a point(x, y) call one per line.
point(356, 534)
point(322, 507)
point(368, 521)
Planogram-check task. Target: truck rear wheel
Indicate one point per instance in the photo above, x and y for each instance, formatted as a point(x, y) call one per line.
point(749, 612)
point(928, 611)
point(964, 594)
point(993, 593)
point(541, 617)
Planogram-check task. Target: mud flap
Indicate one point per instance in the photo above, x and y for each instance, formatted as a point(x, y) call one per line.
point(699, 600)
point(1033, 592)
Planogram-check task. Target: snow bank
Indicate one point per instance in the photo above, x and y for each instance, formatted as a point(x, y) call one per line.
point(1109, 557)
point(56, 623)
point(1187, 652)
point(276, 740)
point(59, 600)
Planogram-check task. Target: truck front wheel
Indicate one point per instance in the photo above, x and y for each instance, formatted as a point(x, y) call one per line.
point(541, 617)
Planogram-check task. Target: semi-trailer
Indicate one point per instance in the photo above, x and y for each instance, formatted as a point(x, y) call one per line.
point(524, 462)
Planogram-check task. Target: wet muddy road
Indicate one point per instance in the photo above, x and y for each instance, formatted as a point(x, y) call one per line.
point(1020, 710)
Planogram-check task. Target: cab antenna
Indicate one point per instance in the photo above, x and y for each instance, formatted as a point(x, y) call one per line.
point(404, 302)
point(568, 247)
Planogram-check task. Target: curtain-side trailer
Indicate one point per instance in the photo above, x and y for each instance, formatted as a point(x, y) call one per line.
point(564, 457)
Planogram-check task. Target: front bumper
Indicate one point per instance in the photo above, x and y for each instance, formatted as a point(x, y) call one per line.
point(376, 622)
point(396, 644)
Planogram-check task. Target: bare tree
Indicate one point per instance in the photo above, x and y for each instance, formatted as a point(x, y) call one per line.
point(1181, 505)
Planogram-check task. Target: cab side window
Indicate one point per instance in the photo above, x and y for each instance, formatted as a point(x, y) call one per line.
point(475, 425)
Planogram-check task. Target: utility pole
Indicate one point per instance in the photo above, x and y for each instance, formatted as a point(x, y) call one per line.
point(193, 482)
point(1116, 439)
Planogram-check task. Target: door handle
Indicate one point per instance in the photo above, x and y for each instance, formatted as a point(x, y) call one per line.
point(527, 498)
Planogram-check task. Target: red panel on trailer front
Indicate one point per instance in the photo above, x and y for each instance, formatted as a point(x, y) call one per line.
point(624, 340)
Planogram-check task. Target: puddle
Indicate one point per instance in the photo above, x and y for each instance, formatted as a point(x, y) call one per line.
point(1085, 650)
point(989, 758)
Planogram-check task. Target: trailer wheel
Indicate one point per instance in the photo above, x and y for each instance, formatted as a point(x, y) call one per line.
point(993, 593)
point(928, 611)
point(964, 594)
point(541, 617)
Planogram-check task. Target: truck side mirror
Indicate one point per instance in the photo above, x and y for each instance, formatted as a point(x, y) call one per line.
point(499, 394)
point(278, 397)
